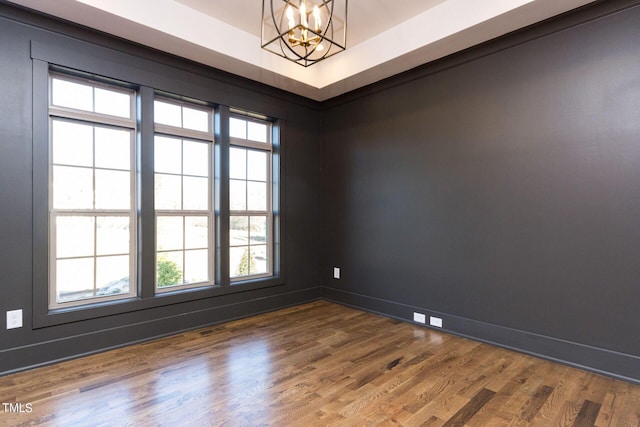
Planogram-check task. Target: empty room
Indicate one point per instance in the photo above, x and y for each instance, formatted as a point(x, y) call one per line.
point(320, 213)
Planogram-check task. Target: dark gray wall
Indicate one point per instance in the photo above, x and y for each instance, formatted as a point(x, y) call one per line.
point(499, 189)
point(31, 345)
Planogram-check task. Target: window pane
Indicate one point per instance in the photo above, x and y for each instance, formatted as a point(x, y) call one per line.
point(259, 259)
point(238, 195)
point(257, 196)
point(196, 158)
point(237, 128)
point(258, 229)
point(239, 261)
point(111, 274)
point(196, 230)
point(238, 230)
point(167, 114)
point(168, 192)
point(72, 143)
point(72, 95)
point(114, 287)
point(113, 189)
point(257, 165)
point(112, 103)
point(169, 269)
point(195, 119)
point(74, 236)
point(113, 148)
point(169, 233)
point(257, 131)
point(196, 193)
point(72, 188)
point(112, 235)
point(168, 155)
point(74, 279)
point(196, 266)
point(238, 163)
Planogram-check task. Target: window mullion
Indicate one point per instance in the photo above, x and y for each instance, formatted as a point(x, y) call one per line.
point(95, 252)
point(88, 116)
point(221, 168)
point(146, 215)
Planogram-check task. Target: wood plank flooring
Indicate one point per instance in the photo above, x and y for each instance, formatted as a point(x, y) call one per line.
point(318, 364)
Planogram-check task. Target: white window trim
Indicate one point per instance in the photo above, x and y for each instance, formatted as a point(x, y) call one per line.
point(198, 136)
point(268, 148)
point(81, 116)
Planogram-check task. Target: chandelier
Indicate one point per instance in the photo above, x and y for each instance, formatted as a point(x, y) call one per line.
point(304, 31)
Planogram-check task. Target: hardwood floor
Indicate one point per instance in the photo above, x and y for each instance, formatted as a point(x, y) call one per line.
point(318, 364)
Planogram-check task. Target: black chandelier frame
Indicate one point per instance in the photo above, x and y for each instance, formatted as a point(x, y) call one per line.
point(305, 52)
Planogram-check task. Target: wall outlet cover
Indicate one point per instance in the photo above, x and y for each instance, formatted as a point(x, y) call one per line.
point(14, 319)
point(435, 321)
point(336, 272)
point(419, 317)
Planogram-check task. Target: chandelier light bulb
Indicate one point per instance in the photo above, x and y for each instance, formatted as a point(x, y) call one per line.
point(316, 18)
point(292, 22)
point(303, 15)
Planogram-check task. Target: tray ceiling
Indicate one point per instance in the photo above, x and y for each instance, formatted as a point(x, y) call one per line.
point(385, 37)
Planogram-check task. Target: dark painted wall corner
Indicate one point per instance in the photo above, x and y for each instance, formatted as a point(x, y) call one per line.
point(499, 186)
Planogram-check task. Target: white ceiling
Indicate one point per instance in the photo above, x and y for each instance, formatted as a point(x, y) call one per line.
point(384, 37)
point(373, 17)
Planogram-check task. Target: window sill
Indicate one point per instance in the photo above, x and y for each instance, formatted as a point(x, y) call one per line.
point(60, 316)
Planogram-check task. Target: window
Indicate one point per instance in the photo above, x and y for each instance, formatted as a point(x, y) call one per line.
point(183, 195)
point(92, 212)
point(250, 200)
point(144, 198)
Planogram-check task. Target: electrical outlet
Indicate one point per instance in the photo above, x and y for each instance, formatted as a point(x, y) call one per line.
point(435, 321)
point(14, 319)
point(336, 272)
point(419, 317)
